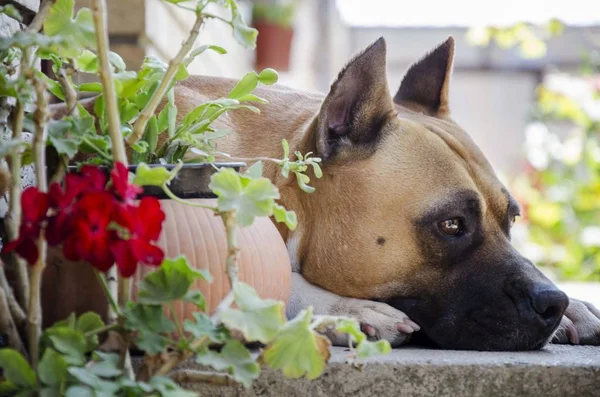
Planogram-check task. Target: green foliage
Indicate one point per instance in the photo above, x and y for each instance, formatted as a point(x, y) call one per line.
point(529, 38)
point(234, 358)
point(560, 187)
point(280, 13)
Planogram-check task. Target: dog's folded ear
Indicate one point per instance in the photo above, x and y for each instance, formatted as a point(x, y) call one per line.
point(357, 106)
point(425, 86)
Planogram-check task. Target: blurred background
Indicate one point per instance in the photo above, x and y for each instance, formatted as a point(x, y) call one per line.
point(526, 86)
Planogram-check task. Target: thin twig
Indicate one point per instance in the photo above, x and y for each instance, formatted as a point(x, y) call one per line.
point(232, 262)
point(72, 110)
point(36, 24)
point(8, 326)
point(140, 125)
point(106, 78)
point(194, 376)
point(16, 310)
point(114, 129)
point(34, 312)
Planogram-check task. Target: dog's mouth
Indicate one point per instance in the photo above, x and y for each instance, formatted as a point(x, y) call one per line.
point(494, 327)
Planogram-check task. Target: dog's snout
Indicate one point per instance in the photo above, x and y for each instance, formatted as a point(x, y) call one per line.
point(549, 304)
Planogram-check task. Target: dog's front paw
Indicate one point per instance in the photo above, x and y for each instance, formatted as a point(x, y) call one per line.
point(377, 320)
point(580, 325)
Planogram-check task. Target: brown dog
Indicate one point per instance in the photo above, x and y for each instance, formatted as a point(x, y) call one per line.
point(409, 216)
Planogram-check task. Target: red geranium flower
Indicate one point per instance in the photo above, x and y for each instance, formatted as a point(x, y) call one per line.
point(144, 224)
point(90, 237)
point(34, 206)
point(120, 183)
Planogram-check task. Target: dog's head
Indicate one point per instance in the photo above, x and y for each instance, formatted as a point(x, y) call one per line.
point(410, 212)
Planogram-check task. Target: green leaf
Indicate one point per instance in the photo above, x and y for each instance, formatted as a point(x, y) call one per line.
point(149, 318)
point(87, 62)
point(151, 343)
point(152, 176)
point(197, 51)
point(255, 171)
point(288, 217)
point(80, 391)
point(89, 322)
point(258, 319)
point(298, 350)
point(286, 149)
point(170, 282)
point(151, 134)
point(233, 358)
point(268, 76)
point(69, 342)
point(116, 60)
point(245, 86)
point(204, 326)
point(53, 86)
point(11, 11)
point(196, 298)
point(16, 369)
point(317, 170)
point(248, 197)
point(244, 34)
point(364, 347)
point(52, 368)
point(167, 388)
point(79, 32)
point(181, 73)
point(171, 112)
point(61, 138)
point(90, 87)
point(13, 146)
point(8, 389)
point(106, 365)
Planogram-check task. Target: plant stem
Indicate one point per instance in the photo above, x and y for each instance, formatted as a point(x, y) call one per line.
point(106, 78)
point(100, 330)
point(36, 23)
point(16, 311)
point(173, 197)
point(8, 326)
point(111, 298)
point(114, 124)
point(34, 312)
point(180, 357)
point(192, 376)
point(176, 320)
point(140, 125)
point(233, 257)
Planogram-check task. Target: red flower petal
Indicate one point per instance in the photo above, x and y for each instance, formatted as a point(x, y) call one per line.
point(70, 248)
point(125, 258)
point(147, 253)
point(28, 250)
point(94, 177)
point(150, 217)
point(120, 183)
point(35, 205)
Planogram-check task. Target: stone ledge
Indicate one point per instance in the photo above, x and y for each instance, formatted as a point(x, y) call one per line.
point(560, 371)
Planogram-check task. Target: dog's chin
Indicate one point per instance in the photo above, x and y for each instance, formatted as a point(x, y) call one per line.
point(454, 330)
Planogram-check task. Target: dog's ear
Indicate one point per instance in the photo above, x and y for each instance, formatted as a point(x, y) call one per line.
point(425, 85)
point(358, 104)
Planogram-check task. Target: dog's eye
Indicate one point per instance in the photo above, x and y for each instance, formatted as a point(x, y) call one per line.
point(452, 227)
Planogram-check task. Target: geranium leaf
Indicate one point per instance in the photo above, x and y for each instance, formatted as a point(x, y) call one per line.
point(288, 217)
point(258, 319)
point(52, 368)
point(70, 342)
point(152, 176)
point(78, 32)
point(364, 347)
point(204, 326)
point(12, 147)
point(298, 350)
point(247, 196)
point(233, 358)
point(149, 318)
point(170, 282)
point(16, 369)
point(89, 322)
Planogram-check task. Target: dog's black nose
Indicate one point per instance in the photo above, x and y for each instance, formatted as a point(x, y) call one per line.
point(549, 303)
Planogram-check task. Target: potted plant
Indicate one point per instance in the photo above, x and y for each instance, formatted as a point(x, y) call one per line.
point(274, 22)
point(97, 217)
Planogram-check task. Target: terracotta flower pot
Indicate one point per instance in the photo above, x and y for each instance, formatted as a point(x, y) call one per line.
point(198, 234)
point(273, 46)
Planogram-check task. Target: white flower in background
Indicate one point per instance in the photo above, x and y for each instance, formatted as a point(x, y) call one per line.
point(572, 148)
point(590, 236)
